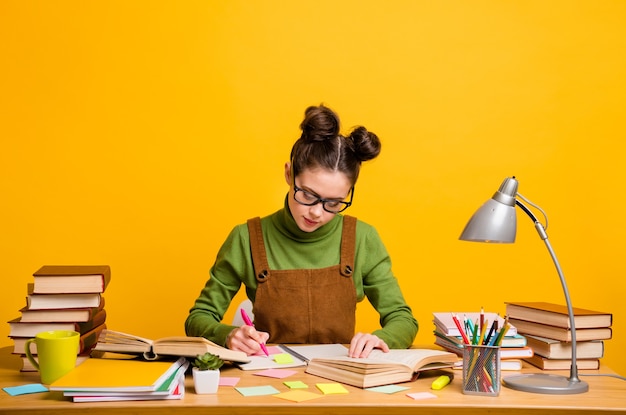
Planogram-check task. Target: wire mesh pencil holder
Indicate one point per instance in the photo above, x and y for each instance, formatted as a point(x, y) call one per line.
point(481, 370)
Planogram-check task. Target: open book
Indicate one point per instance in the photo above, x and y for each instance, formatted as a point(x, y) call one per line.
point(380, 368)
point(118, 342)
point(301, 355)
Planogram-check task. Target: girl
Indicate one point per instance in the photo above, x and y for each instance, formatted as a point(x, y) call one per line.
point(306, 266)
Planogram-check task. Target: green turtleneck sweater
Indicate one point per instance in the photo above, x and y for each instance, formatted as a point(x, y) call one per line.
point(288, 247)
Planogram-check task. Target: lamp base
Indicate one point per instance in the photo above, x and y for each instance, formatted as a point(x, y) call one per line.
point(545, 383)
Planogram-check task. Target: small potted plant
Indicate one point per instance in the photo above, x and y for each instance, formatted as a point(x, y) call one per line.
point(206, 373)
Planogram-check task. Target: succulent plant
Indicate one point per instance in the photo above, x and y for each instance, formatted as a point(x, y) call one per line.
point(207, 361)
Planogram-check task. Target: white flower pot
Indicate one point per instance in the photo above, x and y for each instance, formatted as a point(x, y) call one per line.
point(205, 381)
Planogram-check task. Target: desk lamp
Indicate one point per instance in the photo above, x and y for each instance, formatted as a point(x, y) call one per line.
point(495, 221)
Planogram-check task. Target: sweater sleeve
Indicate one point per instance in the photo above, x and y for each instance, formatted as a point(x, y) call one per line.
point(227, 274)
point(398, 325)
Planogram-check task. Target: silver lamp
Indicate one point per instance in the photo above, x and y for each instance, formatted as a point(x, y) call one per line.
point(496, 222)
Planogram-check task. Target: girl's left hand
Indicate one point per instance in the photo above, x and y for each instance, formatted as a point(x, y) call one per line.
point(363, 343)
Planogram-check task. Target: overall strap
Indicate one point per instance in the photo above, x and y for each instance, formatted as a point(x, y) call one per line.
point(259, 257)
point(348, 245)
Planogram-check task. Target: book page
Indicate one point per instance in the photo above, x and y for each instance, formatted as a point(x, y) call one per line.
point(115, 341)
point(410, 358)
point(312, 351)
point(258, 362)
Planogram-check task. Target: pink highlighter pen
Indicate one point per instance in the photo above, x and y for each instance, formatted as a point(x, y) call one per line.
point(248, 322)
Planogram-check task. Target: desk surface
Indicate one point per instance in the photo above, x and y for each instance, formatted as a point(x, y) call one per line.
point(606, 395)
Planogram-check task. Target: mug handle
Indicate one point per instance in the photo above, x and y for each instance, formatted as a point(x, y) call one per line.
point(29, 355)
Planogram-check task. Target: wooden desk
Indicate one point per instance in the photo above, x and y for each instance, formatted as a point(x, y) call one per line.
point(606, 395)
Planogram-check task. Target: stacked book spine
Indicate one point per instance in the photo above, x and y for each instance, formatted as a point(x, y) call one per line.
point(513, 347)
point(62, 297)
point(548, 331)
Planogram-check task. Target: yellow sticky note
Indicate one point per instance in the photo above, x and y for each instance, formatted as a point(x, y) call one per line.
point(331, 388)
point(298, 395)
point(283, 358)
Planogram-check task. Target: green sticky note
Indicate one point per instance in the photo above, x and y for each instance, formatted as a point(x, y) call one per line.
point(283, 358)
point(296, 384)
point(258, 390)
point(331, 388)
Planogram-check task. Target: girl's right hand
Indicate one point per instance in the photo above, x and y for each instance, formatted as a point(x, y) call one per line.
point(246, 339)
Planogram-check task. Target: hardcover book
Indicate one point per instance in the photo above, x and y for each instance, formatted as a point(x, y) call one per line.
point(555, 349)
point(560, 333)
point(18, 328)
point(118, 342)
point(71, 279)
point(56, 301)
point(380, 368)
point(62, 315)
point(557, 315)
point(562, 364)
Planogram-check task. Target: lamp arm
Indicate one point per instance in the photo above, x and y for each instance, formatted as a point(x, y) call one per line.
point(544, 236)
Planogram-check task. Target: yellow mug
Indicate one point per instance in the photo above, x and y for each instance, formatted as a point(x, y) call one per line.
point(56, 352)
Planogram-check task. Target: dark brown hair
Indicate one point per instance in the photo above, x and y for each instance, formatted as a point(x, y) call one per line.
point(321, 145)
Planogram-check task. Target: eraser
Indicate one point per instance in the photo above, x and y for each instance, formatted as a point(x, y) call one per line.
point(440, 382)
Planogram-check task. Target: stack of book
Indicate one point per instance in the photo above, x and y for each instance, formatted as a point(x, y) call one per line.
point(513, 347)
point(98, 380)
point(62, 297)
point(548, 331)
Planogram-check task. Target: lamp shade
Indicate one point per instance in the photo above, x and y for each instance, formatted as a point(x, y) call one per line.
point(496, 220)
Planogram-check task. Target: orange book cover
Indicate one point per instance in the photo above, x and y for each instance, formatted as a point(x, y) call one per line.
point(117, 375)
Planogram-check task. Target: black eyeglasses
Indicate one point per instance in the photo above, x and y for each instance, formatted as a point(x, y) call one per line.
point(329, 205)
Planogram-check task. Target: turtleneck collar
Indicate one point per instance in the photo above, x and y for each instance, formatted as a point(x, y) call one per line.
point(286, 224)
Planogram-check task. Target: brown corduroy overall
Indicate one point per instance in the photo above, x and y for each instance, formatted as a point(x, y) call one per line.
point(305, 305)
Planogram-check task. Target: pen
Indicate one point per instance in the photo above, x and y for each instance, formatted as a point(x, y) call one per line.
point(474, 333)
point(482, 318)
point(481, 339)
point(494, 326)
point(248, 322)
point(501, 334)
point(458, 326)
point(470, 328)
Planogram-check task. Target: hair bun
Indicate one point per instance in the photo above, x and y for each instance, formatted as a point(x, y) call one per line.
point(366, 144)
point(320, 123)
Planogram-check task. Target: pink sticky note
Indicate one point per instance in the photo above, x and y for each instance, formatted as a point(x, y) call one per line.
point(228, 381)
point(421, 395)
point(276, 373)
point(273, 350)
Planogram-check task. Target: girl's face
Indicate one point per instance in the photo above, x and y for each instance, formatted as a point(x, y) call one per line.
point(319, 182)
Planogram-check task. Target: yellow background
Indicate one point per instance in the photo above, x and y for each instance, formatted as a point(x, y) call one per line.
point(137, 134)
